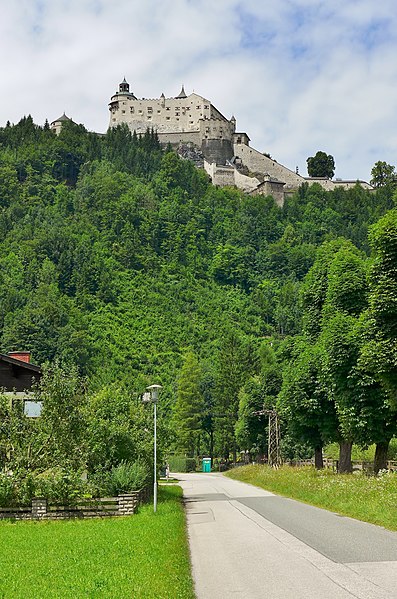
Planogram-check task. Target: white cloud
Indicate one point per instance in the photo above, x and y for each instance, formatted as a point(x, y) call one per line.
point(299, 75)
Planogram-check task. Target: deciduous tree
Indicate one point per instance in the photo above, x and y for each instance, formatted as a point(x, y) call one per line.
point(321, 165)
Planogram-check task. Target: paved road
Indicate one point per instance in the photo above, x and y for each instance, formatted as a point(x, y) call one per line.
point(247, 543)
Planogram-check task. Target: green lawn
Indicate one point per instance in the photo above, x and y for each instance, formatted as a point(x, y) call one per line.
point(145, 555)
point(368, 498)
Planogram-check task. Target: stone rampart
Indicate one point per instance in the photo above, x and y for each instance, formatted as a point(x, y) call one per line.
point(331, 184)
point(259, 163)
point(220, 175)
point(217, 150)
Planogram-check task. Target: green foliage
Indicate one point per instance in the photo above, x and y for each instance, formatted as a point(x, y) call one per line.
point(304, 403)
point(123, 478)
point(57, 485)
point(118, 257)
point(181, 464)
point(250, 428)
point(189, 407)
point(383, 174)
point(380, 351)
point(321, 165)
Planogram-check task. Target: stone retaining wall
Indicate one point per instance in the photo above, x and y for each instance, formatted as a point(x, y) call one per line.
point(122, 505)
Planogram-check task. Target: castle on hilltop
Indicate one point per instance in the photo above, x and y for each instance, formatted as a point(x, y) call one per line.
point(200, 132)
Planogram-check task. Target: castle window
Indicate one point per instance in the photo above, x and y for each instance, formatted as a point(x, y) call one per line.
point(177, 114)
point(167, 108)
point(158, 111)
point(149, 109)
point(168, 118)
point(177, 108)
point(206, 106)
point(132, 110)
point(123, 111)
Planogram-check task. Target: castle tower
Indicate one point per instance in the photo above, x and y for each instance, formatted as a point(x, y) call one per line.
point(56, 125)
point(124, 87)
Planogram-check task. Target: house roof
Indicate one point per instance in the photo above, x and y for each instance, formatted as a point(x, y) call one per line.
point(19, 363)
point(62, 118)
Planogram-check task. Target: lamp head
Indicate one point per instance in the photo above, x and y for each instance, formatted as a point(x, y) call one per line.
point(154, 392)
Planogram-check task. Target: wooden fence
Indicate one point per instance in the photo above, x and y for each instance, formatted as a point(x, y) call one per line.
point(331, 463)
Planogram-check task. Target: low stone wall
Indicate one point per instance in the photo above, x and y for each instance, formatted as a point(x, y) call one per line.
point(122, 505)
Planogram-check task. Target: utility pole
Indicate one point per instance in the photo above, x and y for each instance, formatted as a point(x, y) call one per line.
point(273, 446)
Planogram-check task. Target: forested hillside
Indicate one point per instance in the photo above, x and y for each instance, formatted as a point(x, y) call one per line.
point(121, 258)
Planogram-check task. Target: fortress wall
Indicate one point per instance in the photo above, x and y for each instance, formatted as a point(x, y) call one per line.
point(178, 137)
point(257, 162)
point(216, 129)
point(228, 175)
point(217, 150)
point(245, 183)
point(220, 175)
point(350, 184)
point(331, 184)
point(271, 188)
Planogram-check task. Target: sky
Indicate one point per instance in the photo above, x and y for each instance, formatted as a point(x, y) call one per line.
point(298, 75)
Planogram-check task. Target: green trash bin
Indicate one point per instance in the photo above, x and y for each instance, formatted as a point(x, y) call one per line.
point(206, 464)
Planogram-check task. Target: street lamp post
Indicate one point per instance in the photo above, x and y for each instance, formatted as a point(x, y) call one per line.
point(152, 395)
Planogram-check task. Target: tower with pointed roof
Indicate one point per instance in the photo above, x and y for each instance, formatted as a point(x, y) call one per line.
point(56, 125)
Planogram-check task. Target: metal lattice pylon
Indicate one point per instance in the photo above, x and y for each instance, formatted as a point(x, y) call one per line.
point(274, 457)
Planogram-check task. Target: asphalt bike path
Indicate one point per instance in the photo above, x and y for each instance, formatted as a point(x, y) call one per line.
point(249, 543)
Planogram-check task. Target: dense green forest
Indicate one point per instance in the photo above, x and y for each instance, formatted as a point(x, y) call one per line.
point(121, 263)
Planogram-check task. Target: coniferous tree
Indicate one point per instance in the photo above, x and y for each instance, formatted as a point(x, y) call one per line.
point(189, 407)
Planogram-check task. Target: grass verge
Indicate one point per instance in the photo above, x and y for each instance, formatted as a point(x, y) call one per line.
point(368, 498)
point(142, 556)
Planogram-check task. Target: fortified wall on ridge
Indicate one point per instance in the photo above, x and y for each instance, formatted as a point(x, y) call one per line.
point(199, 131)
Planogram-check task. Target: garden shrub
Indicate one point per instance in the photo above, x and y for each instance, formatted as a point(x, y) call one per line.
point(57, 485)
point(123, 478)
point(61, 485)
point(182, 464)
point(8, 492)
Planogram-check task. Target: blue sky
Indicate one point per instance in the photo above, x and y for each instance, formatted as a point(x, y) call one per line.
point(298, 75)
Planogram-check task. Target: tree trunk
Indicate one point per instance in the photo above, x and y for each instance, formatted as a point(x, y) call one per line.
point(234, 453)
point(345, 457)
point(318, 457)
point(212, 445)
point(380, 459)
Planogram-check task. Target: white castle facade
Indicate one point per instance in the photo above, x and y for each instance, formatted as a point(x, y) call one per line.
point(196, 128)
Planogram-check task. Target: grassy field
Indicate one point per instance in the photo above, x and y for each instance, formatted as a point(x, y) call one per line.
point(368, 498)
point(142, 556)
